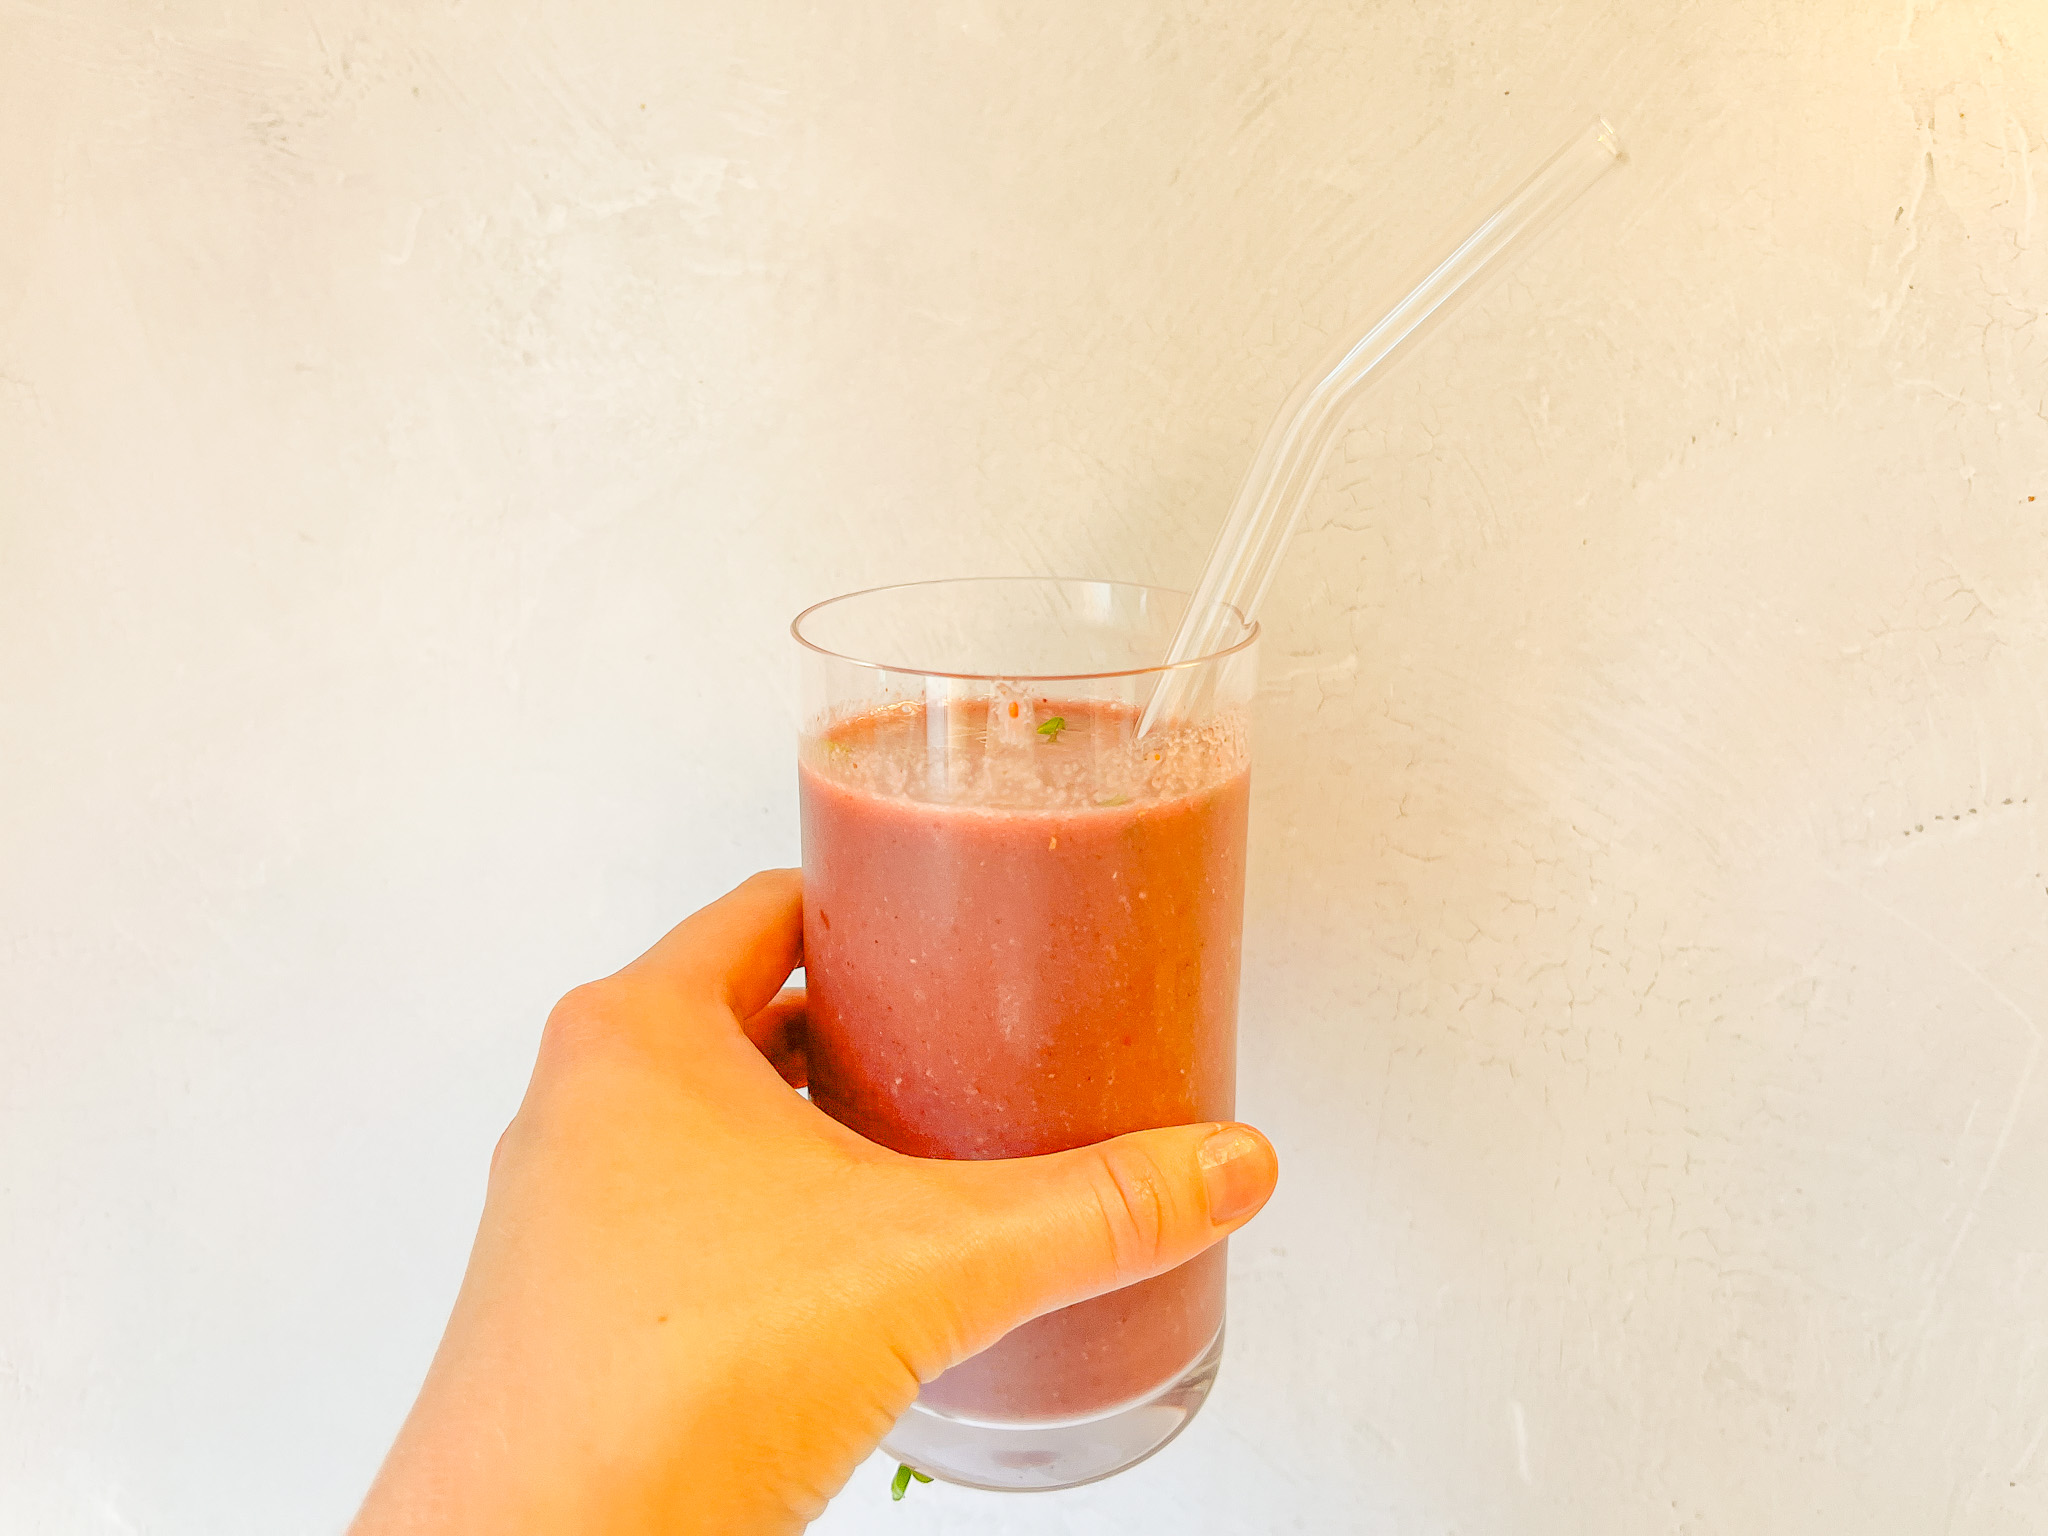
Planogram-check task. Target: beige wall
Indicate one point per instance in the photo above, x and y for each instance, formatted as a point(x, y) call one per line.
point(417, 424)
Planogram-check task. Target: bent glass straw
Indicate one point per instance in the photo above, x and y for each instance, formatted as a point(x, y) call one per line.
point(1290, 459)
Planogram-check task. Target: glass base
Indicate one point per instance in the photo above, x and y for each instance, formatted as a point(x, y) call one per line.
point(1028, 1456)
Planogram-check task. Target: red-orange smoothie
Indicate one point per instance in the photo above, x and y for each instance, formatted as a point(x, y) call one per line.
point(1040, 953)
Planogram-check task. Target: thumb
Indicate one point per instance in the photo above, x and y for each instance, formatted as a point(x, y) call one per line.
point(1058, 1229)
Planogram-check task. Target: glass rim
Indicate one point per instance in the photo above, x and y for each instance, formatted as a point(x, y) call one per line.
point(1249, 638)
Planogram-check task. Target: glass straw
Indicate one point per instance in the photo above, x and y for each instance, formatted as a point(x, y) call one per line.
point(1290, 459)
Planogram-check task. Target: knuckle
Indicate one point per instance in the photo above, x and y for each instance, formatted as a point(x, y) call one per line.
point(1131, 1192)
point(500, 1149)
point(584, 1018)
point(580, 1005)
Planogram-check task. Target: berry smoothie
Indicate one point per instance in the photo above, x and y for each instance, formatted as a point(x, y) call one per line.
point(1021, 934)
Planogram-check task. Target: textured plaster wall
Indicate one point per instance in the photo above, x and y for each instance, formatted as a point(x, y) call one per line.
point(418, 422)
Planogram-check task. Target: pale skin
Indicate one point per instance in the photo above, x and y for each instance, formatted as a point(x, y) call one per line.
point(696, 1303)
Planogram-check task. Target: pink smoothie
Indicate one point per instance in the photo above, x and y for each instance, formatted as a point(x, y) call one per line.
point(1038, 951)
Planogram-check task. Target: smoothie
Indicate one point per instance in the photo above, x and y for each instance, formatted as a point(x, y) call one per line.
point(1021, 932)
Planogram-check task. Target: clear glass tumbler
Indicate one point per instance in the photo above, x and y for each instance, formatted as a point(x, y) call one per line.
point(1021, 934)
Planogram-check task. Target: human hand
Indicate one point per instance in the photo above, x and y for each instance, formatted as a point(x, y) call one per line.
point(696, 1302)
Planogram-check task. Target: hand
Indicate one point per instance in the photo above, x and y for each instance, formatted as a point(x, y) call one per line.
point(696, 1302)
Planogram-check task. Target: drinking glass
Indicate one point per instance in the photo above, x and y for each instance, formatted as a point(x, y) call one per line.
point(1021, 934)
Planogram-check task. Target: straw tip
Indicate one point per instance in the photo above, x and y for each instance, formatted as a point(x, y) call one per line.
point(1608, 139)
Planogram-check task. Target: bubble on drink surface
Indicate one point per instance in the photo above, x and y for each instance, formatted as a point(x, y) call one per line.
point(1012, 749)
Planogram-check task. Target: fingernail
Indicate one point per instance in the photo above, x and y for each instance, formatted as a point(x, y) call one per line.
point(1233, 1174)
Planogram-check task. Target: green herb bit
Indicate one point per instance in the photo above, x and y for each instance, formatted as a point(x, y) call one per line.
point(1114, 800)
point(904, 1473)
point(1052, 728)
